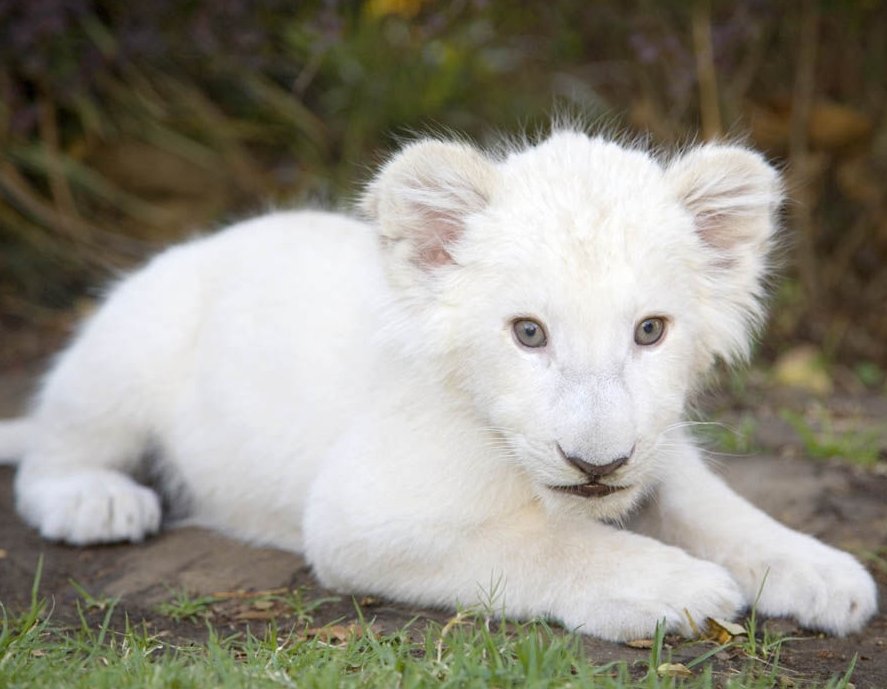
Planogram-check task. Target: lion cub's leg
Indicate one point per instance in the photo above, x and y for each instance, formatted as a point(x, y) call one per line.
point(73, 483)
point(789, 573)
point(91, 427)
point(589, 576)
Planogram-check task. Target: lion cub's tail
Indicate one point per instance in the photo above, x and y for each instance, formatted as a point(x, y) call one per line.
point(15, 439)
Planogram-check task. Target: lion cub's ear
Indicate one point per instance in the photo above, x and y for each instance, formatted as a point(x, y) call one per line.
point(422, 197)
point(733, 194)
point(734, 197)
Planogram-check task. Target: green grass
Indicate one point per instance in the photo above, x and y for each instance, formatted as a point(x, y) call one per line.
point(299, 605)
point(470, 651)
point(877, 558)
point(823, 441)
point(183, 606)
point(870, 374)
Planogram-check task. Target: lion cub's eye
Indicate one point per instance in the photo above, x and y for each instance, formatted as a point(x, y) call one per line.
point(529, 333)
point(649, 331)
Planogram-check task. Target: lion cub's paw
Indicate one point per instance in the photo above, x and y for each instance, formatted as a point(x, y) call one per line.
point(822, 587)
point(697, 593)
point(90, 507)
point(682, 594)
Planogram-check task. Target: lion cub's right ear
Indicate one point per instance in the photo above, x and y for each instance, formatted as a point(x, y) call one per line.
point(422, 197)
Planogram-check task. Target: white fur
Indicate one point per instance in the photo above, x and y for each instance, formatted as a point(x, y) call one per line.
point(354, 390)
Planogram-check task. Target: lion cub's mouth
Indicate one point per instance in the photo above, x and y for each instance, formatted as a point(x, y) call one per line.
point(588, 490)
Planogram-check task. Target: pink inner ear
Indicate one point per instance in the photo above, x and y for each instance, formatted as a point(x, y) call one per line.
point(713, 227)
point(725, 213)
point(440, 232)
point(434, 256)
point(726, 228)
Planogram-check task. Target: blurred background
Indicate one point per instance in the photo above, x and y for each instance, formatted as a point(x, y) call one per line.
point(125, 126)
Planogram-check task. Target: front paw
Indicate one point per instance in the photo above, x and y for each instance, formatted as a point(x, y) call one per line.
point(681, 591)
point(820, 586)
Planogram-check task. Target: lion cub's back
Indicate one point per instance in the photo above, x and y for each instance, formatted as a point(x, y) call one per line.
point(279, 363)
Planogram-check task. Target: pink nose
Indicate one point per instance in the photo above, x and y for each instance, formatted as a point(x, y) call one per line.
point(595, 471)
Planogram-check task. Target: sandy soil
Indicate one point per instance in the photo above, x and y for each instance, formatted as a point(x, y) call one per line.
point(842, 504)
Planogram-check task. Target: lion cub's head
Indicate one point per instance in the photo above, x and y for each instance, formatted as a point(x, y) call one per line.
point(575, 290)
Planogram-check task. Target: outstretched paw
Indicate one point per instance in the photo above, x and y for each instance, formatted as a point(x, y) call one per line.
point(681, 591)
point(820, 586)
point(90, 507)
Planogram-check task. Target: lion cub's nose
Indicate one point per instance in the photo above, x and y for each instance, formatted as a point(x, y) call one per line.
point(595, 471)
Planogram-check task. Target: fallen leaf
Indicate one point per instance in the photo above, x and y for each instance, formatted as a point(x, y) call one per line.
point(335, 632)
point(3, 553)
point(723, 631)
point(248, 594)
point(256, 615)
point(263, 604)
point(640, 643)
point(673, 670)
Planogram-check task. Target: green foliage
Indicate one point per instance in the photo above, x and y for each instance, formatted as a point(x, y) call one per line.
point(474, 653)
point(877, 559)
point(125, 126)
point(100, 603)
point(825, 442)
point(184, 606)
point(471, 650)
point(870, 374)
point(764, 644)
point(301, 606)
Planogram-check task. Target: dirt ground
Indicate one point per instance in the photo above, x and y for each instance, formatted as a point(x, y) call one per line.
point(841, 503)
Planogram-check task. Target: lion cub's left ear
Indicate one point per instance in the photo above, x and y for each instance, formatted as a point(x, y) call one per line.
point(734, 197)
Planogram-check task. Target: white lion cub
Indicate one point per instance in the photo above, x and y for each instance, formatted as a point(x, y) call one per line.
point(476, 384)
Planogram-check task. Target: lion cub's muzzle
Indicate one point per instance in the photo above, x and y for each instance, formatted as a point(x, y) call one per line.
point(594, 472)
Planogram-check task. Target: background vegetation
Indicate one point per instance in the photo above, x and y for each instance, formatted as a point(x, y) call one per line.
point(127, 125)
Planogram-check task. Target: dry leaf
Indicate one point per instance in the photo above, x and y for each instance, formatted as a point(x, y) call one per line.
point(335, 632)
point(241, 593)
point(723, 631)
point(3, 553)
point(263, 604)
point(224, 595)
point(256, 615)
point(640, 643)
point(673, 670)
